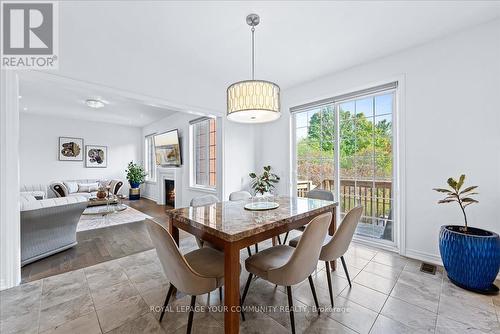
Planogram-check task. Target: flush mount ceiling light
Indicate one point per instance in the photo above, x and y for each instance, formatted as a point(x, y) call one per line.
point(95, 103)
point(253, 101)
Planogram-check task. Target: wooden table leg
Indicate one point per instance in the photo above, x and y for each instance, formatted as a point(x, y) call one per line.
point(231, 289)
point(174, 231)
point(331, 231)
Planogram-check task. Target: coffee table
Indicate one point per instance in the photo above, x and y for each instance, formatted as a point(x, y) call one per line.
point(104, 210)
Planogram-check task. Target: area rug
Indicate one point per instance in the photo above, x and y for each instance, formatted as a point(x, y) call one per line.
point(92, 222)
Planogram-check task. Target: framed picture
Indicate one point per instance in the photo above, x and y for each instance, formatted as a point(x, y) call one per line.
point(70, 149)
point(96, 156)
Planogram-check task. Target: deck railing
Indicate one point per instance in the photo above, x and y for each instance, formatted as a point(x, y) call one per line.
point(374, 196)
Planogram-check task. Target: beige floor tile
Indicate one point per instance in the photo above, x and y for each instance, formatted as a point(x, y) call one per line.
point(146, 324)
point(375, 282)
point(61, 288)
point(115, 315)
point(383, 270)
point(449, 326)
point(58, 314)
point(105, 274)
point(369, 298)
point(23, 324)
point(409, 315)
point(463, 312)
point(87, 324)
point(113, 294)
point(385, 325)
point(390, 259)
point(353, 315)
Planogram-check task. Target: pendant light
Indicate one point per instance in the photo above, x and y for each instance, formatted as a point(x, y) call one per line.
point(253, 101)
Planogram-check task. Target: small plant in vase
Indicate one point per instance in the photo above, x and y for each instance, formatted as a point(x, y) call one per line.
point(265, 182)
point(471, 256)
point(135, 174)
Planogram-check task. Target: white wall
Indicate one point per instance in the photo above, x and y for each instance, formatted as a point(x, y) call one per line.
point(452, 126)
point(39, 140)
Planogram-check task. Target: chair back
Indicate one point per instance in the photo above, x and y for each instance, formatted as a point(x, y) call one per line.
point(305, 256)
point(321, 194)
point(240, 196)
point(203, 200)
point(340, 242)
point(175, 266)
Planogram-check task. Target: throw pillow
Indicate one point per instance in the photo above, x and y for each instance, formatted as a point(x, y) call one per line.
point(71, 186)
point(87, 187)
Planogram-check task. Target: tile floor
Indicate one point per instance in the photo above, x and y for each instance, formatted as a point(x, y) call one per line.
point(389, 295)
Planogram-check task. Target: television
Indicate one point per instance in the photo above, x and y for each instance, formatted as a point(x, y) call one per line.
point(167, 149)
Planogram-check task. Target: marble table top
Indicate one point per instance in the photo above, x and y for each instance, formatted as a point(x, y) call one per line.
point(231, 222)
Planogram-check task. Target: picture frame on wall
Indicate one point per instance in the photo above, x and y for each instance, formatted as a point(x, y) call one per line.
point(96, 156)
point(70, 149)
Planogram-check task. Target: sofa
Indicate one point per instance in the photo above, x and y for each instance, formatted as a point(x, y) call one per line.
point(39, 191)
point(86, 187)
point(48, 226)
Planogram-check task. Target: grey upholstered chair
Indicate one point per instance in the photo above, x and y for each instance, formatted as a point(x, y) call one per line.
point(240, 195)
point(336, 246)
point(195, 273)
point(287, 266)
point(243, 196)
point(324, 195)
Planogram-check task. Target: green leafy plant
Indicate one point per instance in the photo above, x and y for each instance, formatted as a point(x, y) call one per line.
point(264, 182)
point(456, 194)
point(135, 173)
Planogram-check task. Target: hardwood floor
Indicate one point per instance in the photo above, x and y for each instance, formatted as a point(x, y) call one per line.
point(100, 245)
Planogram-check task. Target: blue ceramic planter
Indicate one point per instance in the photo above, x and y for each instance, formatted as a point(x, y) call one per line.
point(134, 184)
point(471, 260)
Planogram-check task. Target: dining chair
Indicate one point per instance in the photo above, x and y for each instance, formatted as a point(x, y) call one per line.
point(335, 247)
point(287, 266)
point(243, 196)
point(240, 195)
point(195, 273)
point(324, 195)
point(201, 201)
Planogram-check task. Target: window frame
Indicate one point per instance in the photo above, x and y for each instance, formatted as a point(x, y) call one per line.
point(399, 140)
point(193, 160)
point(150, 157)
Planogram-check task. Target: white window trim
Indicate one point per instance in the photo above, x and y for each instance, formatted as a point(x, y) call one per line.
point(146, 160)
point(399, 170)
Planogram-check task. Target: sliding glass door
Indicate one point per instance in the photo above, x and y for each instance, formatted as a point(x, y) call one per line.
point(346, 146)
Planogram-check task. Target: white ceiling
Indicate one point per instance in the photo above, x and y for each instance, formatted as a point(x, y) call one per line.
point(189, 52)
point(60, 99)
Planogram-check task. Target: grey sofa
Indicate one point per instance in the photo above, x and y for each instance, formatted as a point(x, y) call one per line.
point(48, 226)
point(74, 187)
point(37, 190)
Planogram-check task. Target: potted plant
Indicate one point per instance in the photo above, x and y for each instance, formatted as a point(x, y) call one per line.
point(135, 174)
point(265, 182)
point(471, 256)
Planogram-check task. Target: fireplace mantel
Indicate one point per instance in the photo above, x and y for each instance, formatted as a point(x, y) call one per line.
point(166, 173)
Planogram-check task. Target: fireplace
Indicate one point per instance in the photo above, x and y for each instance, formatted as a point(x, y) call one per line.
point(170, 193)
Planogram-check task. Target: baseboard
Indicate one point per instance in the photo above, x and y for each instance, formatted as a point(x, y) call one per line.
point(149, 197)
point(423, 256)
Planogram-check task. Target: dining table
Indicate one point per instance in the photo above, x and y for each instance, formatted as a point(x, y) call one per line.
point(230, 227)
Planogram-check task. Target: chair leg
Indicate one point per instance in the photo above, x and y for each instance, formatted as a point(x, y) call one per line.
point(313, 290)
point(279, 240)
point(249, 251)
point(220, 294)
point(345, 270)
point(191, 313)
point(256, 248)
point(329, 278)
point(286, 237)
point(290, 306)
point(241, 310)
point(247, 285)
point(169, 294)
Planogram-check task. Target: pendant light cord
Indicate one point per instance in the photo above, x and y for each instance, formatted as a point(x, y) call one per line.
point(253, 53)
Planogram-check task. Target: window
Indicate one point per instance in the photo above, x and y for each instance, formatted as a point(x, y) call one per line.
point(345, 145)
point(150, 158)
point(204, 152)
